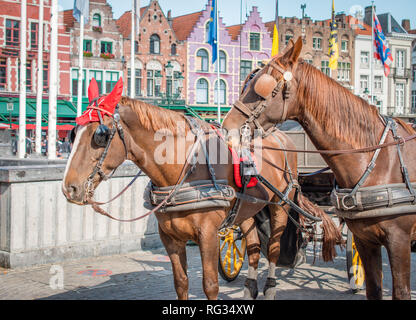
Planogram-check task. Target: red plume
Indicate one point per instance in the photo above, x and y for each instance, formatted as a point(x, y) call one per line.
point(110, 102)
point(93, 91)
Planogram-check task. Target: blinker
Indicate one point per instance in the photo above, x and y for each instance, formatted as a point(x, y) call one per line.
point(101, 135)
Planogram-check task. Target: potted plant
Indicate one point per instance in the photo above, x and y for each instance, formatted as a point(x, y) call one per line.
point(87, 54)
point(107, 55)
point(97, 29)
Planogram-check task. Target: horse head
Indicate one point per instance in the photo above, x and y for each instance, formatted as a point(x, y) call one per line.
point(98, 146)
point(268, 96)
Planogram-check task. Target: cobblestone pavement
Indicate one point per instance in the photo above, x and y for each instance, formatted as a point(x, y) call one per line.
point(147, 275)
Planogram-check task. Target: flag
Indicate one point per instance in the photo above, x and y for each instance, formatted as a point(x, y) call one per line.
point(333, 41)
point(381, 51)
point(212, 35)
point(275, 47)
point(81, 6)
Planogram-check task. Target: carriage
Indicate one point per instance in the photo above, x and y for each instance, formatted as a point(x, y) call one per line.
point(317, 186)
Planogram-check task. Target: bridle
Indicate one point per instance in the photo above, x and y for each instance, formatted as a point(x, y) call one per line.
point(267, 79)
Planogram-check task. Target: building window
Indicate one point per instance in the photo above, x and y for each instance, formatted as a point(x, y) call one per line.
point(325, 67)
point(254, 41)
point(173, 49)
point(223, 92)
point(98, 75)
point(28, 76)
point(3, 74)
point(202, 60)
point(46, 77)
point(202, 91)
point(414, 73)
point(154, 81)
point(317, 43)
point(365, 58)
point(288, 36)
point(401, 63)
point(106, 47)
point(207, 32)
point(74, 77)
point(96, 20)
point(344, 71)
point(245, 69)
point(414, 101)
point(223, 62)
point(400, 98)
point(111, 78)
point(34, 31)
point(150, 83)
point(363, 83)
point(12, 33)
point(344, 44)
point(87, 45)
point(137, 83)
point(378, 83)
point(154, 44)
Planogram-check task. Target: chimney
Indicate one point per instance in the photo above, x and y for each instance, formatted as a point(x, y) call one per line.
point(406, 24)
point(170, 18)
point(368, 15)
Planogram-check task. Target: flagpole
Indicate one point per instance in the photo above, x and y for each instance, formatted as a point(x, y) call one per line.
point(132, 66)
point(372, 53)
point(38, 135)
point(218, 64)
point(22, 87)
point(81, 64)
point(53, 85)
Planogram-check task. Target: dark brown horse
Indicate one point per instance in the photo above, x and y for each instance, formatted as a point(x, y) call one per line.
point(155, 140)
point(336, 119)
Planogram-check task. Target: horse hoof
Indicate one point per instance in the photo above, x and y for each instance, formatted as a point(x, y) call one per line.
point(270, 289)
point(250, 291)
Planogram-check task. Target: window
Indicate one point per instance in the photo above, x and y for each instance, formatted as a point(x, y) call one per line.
point(325, 67)
point(414, 101)
point(150, 82)
point(365, 58)
point(111, 79)
point(154, 44)
point(87, 45)
point(245, 69)
point(46, 77)
point(106, 47)
point(364, 83)
point(96, 20)
point(202, 91)
point(344, 71)
point(344, 44)
point(207, 32)
point(202, 60)
point(137, 83)
point(136, 47)
point(173, 49)
point(310, 61)
point(74, 76)
point(28, 76)
point(317, 43)
point(378, 83)
point(98, 75)
point(414, 73)
point(223, 62)
point(3, 74)
point(12, 33)
point(154, 81)
point(223, 92)
point(288, 36)
point(254, 41)
point(34, 31)
point(400, 98)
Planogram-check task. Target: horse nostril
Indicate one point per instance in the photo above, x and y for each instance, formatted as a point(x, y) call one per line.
point(72, 190)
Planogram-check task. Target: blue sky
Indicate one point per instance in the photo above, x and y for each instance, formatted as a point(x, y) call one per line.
point(230, 9)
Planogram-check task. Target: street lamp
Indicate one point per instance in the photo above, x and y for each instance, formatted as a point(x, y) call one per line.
point(10, 108)
point(179, 82)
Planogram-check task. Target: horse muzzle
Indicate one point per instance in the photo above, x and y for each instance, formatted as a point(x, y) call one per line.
point(75, 194)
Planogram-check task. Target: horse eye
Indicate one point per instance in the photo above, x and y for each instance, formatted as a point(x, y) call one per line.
point(101, 135)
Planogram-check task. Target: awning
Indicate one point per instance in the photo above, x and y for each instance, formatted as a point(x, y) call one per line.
point(31, 126)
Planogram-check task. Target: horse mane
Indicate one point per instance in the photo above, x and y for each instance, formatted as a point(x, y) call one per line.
point(152, 117)
point(341, 113)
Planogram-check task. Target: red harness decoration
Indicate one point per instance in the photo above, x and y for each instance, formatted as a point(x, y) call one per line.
point(236, 164)
point(105, 105)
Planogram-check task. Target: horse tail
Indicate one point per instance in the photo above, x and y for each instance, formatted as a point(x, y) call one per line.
point(331, 234)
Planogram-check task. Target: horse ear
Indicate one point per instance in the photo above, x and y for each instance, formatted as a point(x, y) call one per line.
point(292, 54)
point(93, 91)
point(114, 97)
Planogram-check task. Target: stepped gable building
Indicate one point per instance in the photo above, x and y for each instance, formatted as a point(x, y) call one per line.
point(102, 47)
point(160, 56)
point(202, 76)
point(315, 35)
point(10, 44)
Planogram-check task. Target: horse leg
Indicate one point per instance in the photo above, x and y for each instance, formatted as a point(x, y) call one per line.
point(253, 252)
point(370, 255)
point(398, 249)
point(278, 222)
point(177, 254)
point(209, 248)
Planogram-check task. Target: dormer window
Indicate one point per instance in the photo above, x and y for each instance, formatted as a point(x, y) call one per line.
point(96, 20)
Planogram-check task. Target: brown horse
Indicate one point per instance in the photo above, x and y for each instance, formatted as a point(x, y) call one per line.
point(336, 119)
point(155, 140)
